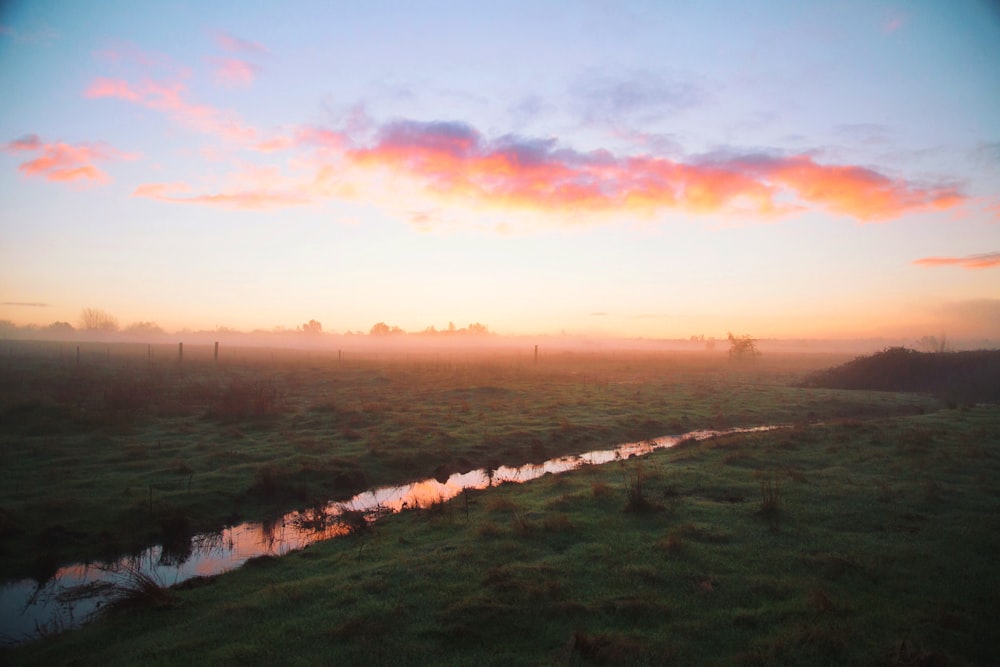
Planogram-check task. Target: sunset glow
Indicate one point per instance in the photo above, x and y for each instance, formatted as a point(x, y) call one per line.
point(642, 170)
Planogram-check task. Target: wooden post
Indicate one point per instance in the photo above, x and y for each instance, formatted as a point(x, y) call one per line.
point(180, 352)
point(77, 356)
point(216, 351)
point(536, 355)
point(149, 352)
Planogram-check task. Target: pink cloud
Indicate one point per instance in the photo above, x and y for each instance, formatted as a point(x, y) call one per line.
point(102, 87)
point(170, 99)
point(306, 137)
point(986, 260)
point(248, 199)
point(454, 159)
point(233, 72)
point(234, 44)
point(62, 162)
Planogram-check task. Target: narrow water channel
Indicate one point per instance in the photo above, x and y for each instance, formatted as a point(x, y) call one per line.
point(29, 609)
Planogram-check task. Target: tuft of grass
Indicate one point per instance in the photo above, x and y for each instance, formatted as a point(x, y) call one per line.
point(636, 500)
point(770, 496)
point(138, 590)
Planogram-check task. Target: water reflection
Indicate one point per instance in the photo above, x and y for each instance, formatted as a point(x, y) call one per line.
point(29, 609)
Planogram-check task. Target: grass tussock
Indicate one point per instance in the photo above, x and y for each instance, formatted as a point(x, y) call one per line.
point(636, 501)
point(138, 590)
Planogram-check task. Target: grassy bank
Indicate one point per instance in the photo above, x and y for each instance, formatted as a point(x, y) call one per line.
point(124, 449)
point(854, 542)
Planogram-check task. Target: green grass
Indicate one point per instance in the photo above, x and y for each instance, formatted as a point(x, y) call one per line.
point(881, 551)
point(95, 458)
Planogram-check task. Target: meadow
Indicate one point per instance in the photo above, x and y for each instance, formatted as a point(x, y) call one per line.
point(863, 533)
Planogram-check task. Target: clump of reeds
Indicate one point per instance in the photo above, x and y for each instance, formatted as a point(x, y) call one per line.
point(770, 495)
point(138, 590)
point(636, 500)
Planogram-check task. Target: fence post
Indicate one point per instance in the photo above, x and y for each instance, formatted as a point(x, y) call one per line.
point(180, 352)
point(216, 351)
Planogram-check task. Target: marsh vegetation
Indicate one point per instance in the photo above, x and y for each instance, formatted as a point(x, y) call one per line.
point(821, 543)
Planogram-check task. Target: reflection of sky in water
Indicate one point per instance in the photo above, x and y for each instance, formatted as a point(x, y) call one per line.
point(76, 591)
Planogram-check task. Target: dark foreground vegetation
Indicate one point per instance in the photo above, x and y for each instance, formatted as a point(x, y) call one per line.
point(857, 542)
point(864, 533)
point(958, 377)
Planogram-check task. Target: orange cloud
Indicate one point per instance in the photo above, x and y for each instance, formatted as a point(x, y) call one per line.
point(251, 199)
point(61, 162)
point(453, 159)
point(985, 260)
point(169, 98)
point(233, 72)
point(855, 191)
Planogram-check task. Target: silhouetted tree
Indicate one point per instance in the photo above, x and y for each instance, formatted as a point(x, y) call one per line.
point(742, 347)
point(312, 327)
point(934, 343)
point(95, 319)
point(383, 329)
point(144, 328)
point(60, 327)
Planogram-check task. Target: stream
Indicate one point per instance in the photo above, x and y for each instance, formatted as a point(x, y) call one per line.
point(30, 610)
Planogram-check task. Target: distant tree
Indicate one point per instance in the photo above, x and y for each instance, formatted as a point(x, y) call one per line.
point(144, 328)
point(934, 343)
point(95, 319)
point(742, 347)
point(312, 327)
point(477, 329)
point(60, 327)
point(383, 329)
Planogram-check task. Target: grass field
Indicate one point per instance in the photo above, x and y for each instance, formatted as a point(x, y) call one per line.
point(855, 536)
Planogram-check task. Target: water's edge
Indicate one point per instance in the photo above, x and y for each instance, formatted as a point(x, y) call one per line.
point(30, 610)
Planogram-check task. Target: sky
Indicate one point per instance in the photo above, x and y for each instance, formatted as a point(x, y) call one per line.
point(625, 169)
